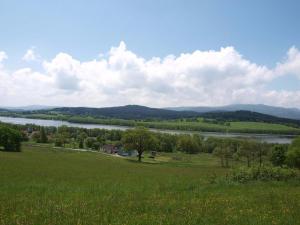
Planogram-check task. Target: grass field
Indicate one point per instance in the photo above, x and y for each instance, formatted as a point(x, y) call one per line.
point(242, 127)
point(45, 186)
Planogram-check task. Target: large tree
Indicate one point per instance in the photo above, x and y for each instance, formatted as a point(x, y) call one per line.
point(139, 139)
point(10, 139)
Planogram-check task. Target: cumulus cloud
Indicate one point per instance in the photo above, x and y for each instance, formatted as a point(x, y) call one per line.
point(214, 77)
point(30, 55)
point(3, 56)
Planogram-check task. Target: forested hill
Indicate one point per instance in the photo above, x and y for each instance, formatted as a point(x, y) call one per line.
point(243, 115)
point(124, 112)
point(290, 113)
point(136, 112)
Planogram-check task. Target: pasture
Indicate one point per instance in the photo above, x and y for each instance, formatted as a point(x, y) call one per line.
point(41, 185)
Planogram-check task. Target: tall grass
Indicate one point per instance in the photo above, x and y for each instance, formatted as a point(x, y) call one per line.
point(45, 186)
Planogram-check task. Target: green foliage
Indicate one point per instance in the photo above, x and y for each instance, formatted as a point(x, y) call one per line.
point(140, 139)
point(43, 136)
point(189, 144)
point(293, 154)
point(264, 173)
point(167, 142)
point(210, 144)
point(248, 149)
point(91, 143)
point(278, 155)
point(80, 139)
point(224, 151)
point(10, 139)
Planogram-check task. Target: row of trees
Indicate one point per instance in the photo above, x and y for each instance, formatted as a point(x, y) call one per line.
point(141, 139)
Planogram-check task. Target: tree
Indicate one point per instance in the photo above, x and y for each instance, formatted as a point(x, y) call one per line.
point(89, 142)
point(293, 154)
point(278, 155)
point(80, 139)
point(219, 153)
point(210, 144)
point(224, 151)
point(139, 139)
point(187, 143)
point(62, 136)
point(167, 142)
point(43, 136)
point(248, 149)
point(10, 139)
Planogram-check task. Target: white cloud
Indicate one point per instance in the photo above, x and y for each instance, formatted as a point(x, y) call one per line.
point(291, 65)
point(121, 77)
point(30, 55)
point(3, 56)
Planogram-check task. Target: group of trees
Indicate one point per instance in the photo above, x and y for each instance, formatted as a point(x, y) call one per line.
point(141, 139)
point(289, 155)
point(241, 150)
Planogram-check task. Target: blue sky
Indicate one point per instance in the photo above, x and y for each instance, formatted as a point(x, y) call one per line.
point(261, 31)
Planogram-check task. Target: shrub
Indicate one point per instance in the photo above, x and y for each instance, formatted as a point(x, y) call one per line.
point(265, 173)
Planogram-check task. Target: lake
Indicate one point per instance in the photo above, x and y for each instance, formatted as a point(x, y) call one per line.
point(269, 138)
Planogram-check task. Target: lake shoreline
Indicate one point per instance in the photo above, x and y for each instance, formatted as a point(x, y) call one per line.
point(268, 137)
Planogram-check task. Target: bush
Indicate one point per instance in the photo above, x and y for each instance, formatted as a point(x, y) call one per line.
point(265, 173)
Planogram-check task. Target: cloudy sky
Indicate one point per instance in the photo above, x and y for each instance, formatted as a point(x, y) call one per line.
point(154, 53)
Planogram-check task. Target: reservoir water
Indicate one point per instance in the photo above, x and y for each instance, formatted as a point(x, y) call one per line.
point(269, 138)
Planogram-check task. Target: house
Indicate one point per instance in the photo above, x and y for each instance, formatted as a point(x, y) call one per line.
point(126, 153)
point(110, 149)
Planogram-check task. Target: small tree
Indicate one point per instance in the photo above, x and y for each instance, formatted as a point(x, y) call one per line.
point(43, 136)
point(248, 149)
point(224, 151)
point(89, 142)
point(219, 153)
point(80, 139)
point(278, 155)
point(139, 139)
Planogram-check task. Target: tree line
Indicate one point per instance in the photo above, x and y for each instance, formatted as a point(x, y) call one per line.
point(228, 150)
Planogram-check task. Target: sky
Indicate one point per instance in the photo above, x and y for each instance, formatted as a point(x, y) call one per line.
point(158, 53)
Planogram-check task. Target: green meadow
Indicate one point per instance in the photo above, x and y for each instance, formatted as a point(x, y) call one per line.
point(242, 127)
point(42, 185)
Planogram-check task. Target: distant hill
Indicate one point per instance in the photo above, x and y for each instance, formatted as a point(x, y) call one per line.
point(124, 112)
point(142, 112)
point(250, 117)
point(28, 108)
point(291, 113)
point(136, 112)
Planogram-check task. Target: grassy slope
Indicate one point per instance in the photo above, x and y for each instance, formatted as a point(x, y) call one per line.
point(42, 186)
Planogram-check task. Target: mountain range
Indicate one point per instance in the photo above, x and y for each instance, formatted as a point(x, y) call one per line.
point(290, 113)
point(143, 112)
